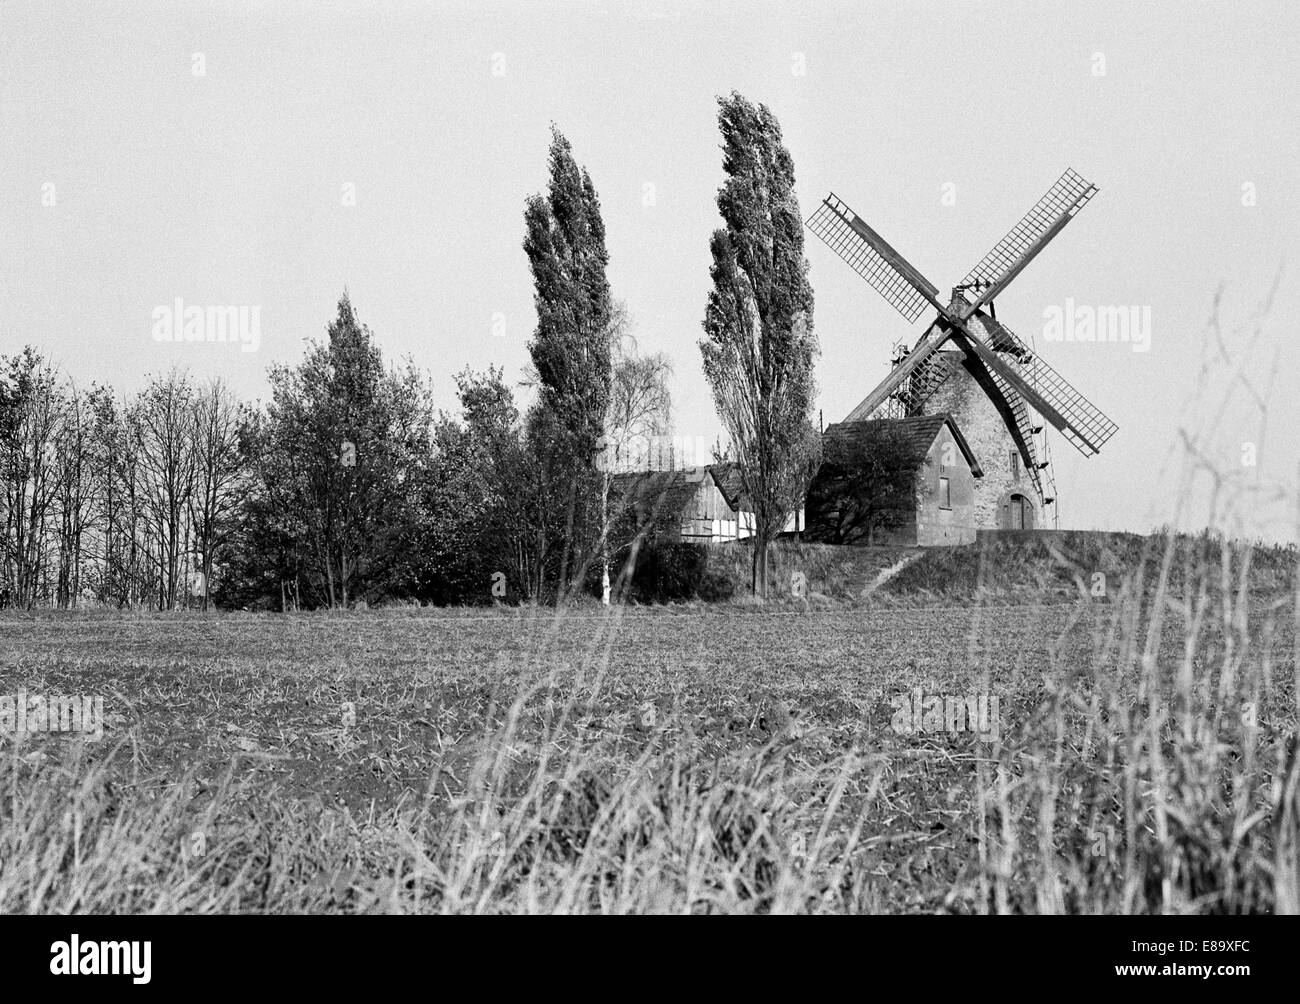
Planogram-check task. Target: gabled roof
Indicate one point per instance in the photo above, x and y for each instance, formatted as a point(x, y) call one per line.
point(919, 432)
point(661, 491)
point(727, 477)
point(673, 491)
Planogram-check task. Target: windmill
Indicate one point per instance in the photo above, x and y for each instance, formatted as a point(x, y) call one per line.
point(1023, 388)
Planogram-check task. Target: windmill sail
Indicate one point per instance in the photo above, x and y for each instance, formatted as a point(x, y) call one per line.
point(926, 379)
point(1020, 370)
point(1009, 403)
point(870, 255)
point(895, 387)
point(1028, 237)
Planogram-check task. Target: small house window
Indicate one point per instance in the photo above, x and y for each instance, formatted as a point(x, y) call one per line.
point(1015, 465)
point(945, 494)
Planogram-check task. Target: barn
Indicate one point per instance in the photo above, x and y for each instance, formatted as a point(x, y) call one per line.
point(702, 505)
point(899, 481)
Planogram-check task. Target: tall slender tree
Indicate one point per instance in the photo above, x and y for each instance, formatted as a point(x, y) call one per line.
point(759, 346)
point(565, 245)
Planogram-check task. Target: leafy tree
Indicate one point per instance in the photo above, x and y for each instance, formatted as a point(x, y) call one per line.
point(759, 347)
point(570, 349)
point(269, 563)
point(482, 498)
point(865, 484)
point(342, 454)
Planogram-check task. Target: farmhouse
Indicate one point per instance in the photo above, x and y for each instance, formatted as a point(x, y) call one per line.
point(904, 481)
point(702, 505)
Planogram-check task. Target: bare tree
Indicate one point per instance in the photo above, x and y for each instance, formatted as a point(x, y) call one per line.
point(105, 526)
point(34, 411)
point(640, 406)
point(75, 486)
point(164, 429)
point(219, 474)
point(135, 569)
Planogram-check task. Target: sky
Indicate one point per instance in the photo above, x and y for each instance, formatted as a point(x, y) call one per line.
point(269, 155)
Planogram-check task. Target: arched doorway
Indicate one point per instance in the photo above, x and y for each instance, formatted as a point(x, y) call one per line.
point(1016, 512)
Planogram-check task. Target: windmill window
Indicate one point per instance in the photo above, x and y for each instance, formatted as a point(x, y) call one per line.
point(1015, 465)
point(945, 494)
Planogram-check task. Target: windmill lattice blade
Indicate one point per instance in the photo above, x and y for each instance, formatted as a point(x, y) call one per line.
point(1004, 395)
point(869, 254)
point(1062, 201)
point(1078, 419)
point(886, 393)
point(931, 374)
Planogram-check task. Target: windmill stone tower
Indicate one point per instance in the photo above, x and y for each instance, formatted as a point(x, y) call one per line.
point(1006, 496)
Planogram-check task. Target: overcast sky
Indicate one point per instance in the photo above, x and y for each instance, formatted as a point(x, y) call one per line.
point(129, 179)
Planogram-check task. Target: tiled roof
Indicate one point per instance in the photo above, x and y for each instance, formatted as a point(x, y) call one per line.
point(673, 491)
point(727, 477)
point(919, 432)
point(655, 491)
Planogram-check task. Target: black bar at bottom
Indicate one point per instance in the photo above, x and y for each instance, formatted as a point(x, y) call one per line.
point(341, 955)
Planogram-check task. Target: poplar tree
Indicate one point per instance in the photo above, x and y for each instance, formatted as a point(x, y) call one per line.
point(759, 347)
point(570, 348)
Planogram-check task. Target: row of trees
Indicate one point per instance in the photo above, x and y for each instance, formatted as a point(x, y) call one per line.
point(345, 486)
point(348, 485)
point(123, 501)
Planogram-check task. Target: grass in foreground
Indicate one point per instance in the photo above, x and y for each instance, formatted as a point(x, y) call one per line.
point(680, 759)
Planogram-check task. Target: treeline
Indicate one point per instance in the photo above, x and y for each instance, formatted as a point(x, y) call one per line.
point(349, 486)
point(346, 486)
point(120, 501)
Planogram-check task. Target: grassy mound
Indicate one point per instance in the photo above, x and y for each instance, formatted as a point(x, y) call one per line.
point(1042, 567)
point(1051, 567)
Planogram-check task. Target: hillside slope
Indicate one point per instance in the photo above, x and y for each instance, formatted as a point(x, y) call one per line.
point(1019, 567)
